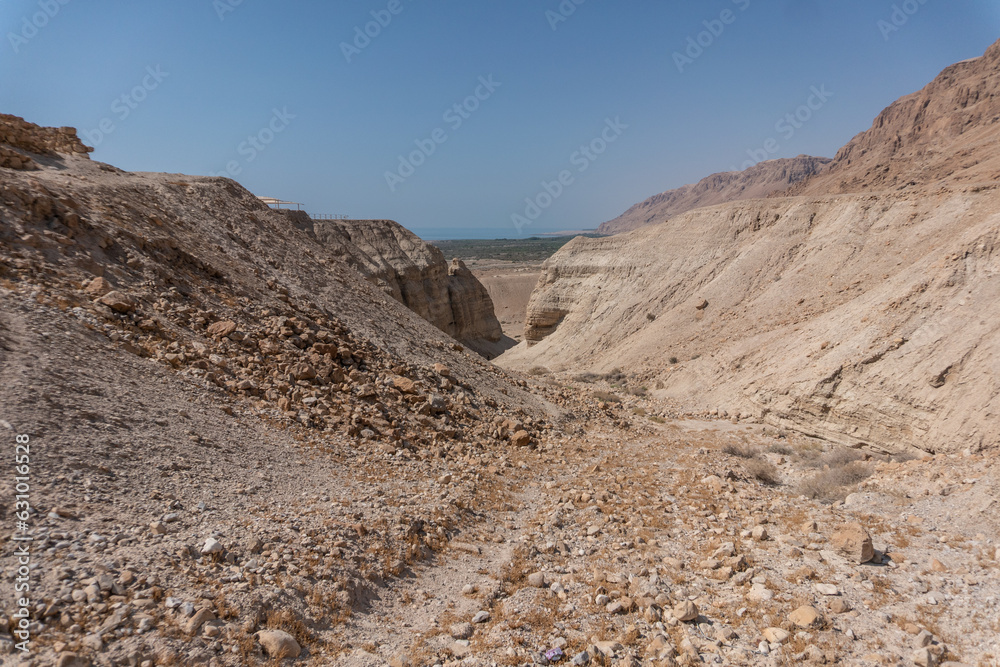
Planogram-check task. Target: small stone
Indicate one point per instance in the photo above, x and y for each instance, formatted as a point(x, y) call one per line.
point(609, 648)
point(536, 580)
point(212, 546)
point(481, 617)
point(854, 542)
point(68, 659)
point(462, 630)
point(923, 657)
point(442, 370)
point(759, 533)
point(200, 617)
point(839, 606)
point(685, 611)
point(776, 635)
point(805, 616)
point(279, 644)
point(760, 593)
point(580, 659)
point(827, 589)
point(520, 439)
point(938, 566)
point(923, 639)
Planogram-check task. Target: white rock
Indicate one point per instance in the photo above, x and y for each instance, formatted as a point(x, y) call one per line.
point(827, 589)
point(212, 546)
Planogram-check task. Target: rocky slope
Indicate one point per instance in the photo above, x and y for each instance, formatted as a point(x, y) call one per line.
point(864, 319)
point(756, 182)
point(417, 275)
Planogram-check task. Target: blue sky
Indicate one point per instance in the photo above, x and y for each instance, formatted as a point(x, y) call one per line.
point(182, 86)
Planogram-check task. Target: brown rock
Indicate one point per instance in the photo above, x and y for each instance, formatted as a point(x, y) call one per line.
point(839, 606)
point(405, 385)
point(221, 329)
point(854, 542)
point(98, 287)
point(302, 371)
point(805, 616)
point(118, 302)
point(521, 439)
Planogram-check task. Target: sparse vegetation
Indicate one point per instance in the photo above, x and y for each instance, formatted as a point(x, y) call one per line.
point(607, 397)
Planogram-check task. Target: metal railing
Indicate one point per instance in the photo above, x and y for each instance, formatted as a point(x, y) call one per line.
point(327, 216)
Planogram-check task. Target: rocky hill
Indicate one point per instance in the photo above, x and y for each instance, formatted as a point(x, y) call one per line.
point(865, 319)
point(417, 275)
point(756, 182)
point(945, 134)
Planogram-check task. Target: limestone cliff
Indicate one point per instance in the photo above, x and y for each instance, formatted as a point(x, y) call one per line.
point(417, 275)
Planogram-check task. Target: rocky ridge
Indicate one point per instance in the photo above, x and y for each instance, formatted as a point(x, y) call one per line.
point(756, 182)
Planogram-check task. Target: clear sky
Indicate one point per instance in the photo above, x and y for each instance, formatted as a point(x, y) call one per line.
point(296, 101)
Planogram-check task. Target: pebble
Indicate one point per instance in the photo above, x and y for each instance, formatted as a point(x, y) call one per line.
point(481, 617)
point(805, 616)
point(827, 589)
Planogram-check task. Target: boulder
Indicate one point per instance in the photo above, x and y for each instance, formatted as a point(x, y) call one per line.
point(853, 542)
point(279, 644)
point(118, 302)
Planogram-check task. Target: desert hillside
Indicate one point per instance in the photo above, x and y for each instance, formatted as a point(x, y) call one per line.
point(243, 448)
point(755, 182)
point(866, 319)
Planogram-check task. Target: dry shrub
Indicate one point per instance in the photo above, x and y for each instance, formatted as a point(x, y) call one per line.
point(741, 450)
point(779, 448)
point(607, 397)
point(539, 370)
point(287, 621)
point(835, 483)
point(763, 471)
point(841, 457)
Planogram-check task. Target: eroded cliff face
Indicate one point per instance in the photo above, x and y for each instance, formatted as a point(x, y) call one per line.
point(417, 275)
point(863, 319)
